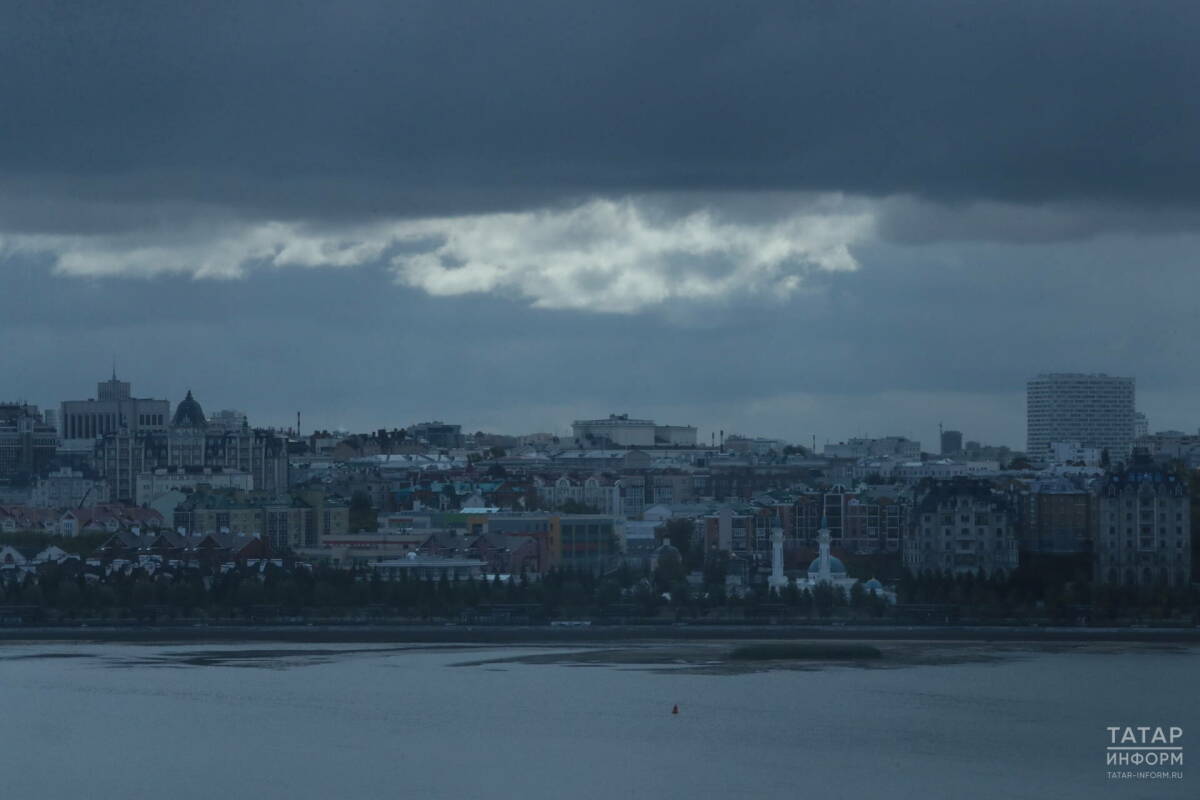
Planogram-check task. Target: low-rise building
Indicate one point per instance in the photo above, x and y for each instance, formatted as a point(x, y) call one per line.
point(152, 484)
point(68, 488)
point(27, 443)
point(430, 568)
point(894, 446)
point(301, 520)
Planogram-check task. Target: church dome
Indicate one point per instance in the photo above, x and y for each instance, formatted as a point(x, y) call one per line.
point(836, 567)
point(188, 414)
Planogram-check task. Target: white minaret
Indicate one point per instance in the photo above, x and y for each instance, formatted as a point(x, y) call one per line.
point(824, 573)
point(777, 580)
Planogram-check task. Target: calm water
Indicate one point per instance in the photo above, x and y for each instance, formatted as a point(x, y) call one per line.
point(117, 721)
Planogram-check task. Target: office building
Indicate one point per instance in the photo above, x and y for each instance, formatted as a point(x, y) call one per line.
point(113, 410)
point(618, 430)
point(952, 443)
point(190, 442)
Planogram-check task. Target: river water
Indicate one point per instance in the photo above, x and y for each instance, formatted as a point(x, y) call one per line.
point(340, 721)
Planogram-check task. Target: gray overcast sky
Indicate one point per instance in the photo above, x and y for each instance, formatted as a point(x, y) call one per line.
point(777, 218)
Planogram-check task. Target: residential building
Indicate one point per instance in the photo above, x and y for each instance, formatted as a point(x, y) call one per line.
point(438, 434)
point(599, 492)
point(858, 522)
point(1143, 516)
point(68, 488)
point(962, 526)
point(1095, 410)
point(27, 443)
point(590, 542)
point(893, 446)
point(1056, 516)
point(1073, 453)
point(301, 520)
point(163, 479)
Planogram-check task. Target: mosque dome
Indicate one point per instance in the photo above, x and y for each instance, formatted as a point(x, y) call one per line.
point(873, 584)
point(188, 414)
point(668, 549)
point(836, 567)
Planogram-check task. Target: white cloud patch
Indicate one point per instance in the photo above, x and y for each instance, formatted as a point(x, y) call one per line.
point(604, 255)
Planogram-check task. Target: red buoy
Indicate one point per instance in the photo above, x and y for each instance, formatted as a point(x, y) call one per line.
point(675, 710)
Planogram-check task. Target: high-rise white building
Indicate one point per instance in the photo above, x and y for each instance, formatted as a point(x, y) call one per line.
point(1094, 410)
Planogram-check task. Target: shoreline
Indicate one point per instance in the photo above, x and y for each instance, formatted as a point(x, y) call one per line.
point(558, 635)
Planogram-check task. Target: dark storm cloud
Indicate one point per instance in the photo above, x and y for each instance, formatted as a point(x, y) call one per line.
point(804, 217)
point(939, 333)
point(319, 110)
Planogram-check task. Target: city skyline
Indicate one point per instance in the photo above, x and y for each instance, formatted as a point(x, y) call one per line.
point(705, 223)
point(276, 418)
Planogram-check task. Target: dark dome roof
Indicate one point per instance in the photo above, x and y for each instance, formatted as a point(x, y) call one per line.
point(189, 414)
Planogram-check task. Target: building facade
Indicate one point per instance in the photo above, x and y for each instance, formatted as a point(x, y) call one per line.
point(1056, 516)
point(618, 430)
point(189, 442)
point(1096, 411)
point(1144, 528)
point(68, 488)
point(302, 520)
point(163, 479)
point(886, 446)
point(962, 526)
point(27, 443)
point(114, 410)
point(952, 443)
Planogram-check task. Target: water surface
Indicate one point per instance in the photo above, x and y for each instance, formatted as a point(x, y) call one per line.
point(376, 721)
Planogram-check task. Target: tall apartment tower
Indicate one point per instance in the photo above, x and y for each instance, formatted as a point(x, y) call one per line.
point(1094, 410)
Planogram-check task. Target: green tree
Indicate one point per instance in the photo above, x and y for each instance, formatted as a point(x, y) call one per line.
point(363, 516)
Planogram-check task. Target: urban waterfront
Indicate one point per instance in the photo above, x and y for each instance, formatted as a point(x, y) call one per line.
point(271, 719)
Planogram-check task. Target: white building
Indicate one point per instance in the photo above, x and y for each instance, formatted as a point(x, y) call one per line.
point(157, 482)
point(944, 469)
point(1141, 425)
point(1072, 452)
point(1097, 411)
point(68, 488)
point(621, 431)
point(114, 410)
point(758, 446)
point(887, 446)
